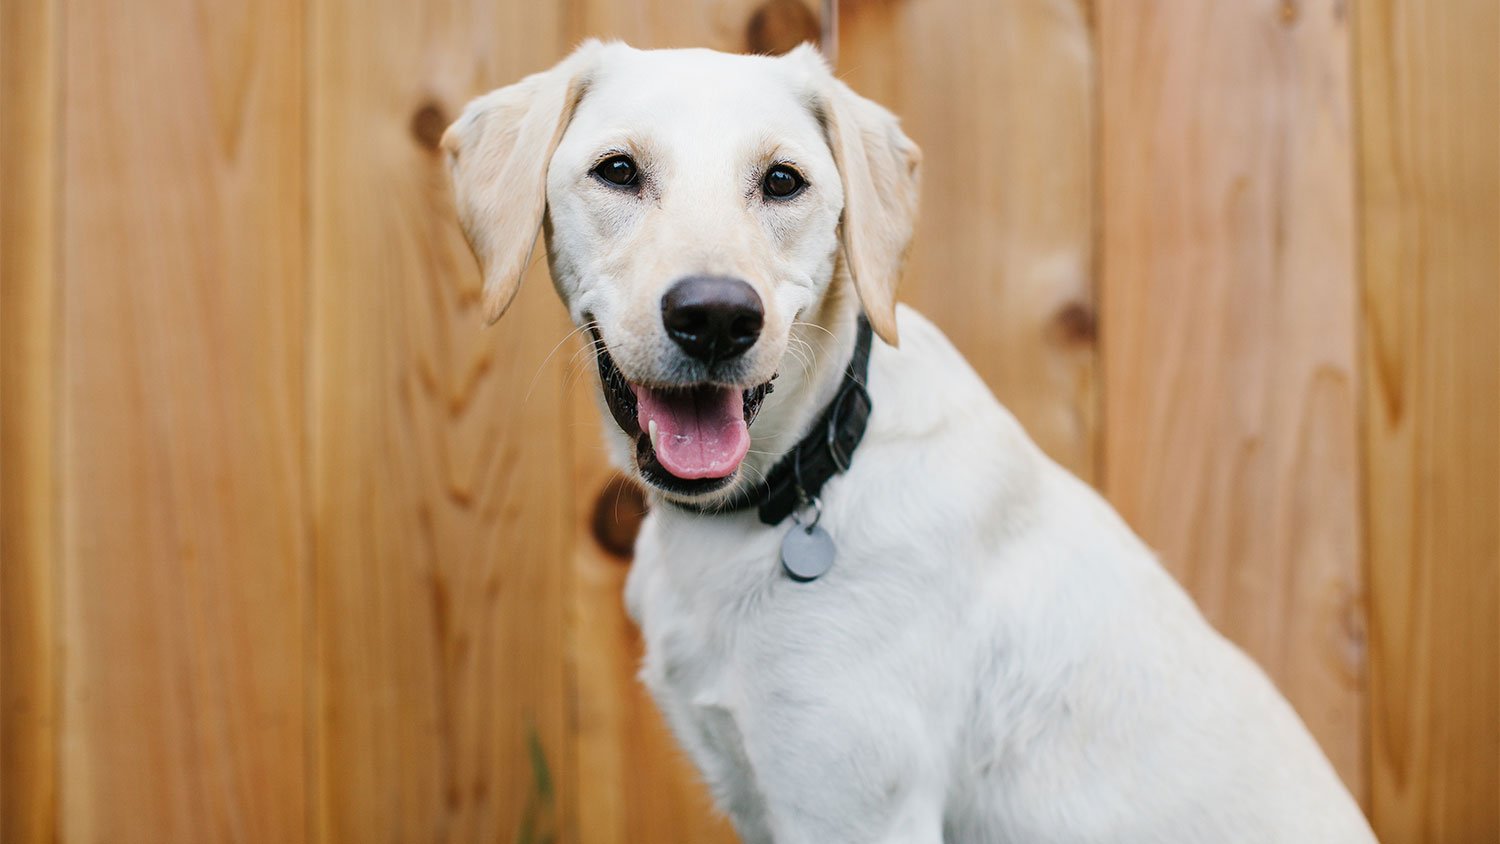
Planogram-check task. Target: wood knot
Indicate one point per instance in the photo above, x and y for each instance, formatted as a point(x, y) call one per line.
point(778, 26)
point(428, 124)
point(1077, 324)
point(618, 511)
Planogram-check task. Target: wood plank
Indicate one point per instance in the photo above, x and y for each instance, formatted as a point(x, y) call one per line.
point(1428, 92)
point(1229, 299)
point(633, 782)
point(28, 500)
point(1000, 98)
point(181, 531)
point(735, 26)
point(441, 474)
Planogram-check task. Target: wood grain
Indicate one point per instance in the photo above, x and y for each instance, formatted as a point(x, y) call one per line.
point(292, 550)
point(736, 26)
point(633, 782)
point(1000, 98)
point(1429, 103)
point(28, 498)
point(1030, 330)
point(1229, 329)
point(440, 462)
point(182, 529)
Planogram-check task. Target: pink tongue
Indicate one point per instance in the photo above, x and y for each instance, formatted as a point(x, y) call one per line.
point(700, 433)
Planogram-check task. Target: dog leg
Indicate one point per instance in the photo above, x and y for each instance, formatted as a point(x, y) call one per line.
point(827, 774)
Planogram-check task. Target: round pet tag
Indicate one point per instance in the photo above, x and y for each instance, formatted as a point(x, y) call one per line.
point(807, 553)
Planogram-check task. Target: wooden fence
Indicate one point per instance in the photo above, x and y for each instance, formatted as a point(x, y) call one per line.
point(294, 552)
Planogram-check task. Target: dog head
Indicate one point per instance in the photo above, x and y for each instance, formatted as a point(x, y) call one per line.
point(698, 207)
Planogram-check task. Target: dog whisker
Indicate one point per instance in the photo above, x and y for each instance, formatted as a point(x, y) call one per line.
point(577, 366)
point(806, 346)
point(760, 477)
point(830, 334)
point(801, 355)
point(538, 374)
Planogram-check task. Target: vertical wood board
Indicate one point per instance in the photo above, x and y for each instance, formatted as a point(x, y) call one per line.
point(294, 549)
point(1429, 166)
point(1000, 98)
point(633, 781)
point(182, 531)
point(1228, 354)
point(439, 451)
point(28, 497)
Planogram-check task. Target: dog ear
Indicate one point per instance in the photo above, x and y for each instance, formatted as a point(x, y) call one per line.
point(498, 151)
point(880, 169)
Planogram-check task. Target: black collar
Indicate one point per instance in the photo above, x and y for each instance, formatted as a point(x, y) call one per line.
point(797, 479)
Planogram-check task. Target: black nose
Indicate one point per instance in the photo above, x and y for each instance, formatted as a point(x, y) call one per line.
point(712, 318)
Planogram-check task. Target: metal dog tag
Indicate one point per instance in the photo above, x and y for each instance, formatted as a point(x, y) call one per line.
point(807, 552)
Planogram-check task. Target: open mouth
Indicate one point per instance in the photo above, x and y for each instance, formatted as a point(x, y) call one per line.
point(689, 439)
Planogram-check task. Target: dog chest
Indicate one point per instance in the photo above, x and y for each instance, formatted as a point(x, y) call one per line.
point(690, 666)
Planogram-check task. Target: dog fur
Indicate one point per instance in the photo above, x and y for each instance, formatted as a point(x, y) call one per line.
point(994, 656)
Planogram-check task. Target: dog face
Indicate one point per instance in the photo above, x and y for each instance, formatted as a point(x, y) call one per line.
point(698, 207)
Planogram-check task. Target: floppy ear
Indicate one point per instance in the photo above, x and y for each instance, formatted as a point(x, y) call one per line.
point(498, 152)
point(879, 167)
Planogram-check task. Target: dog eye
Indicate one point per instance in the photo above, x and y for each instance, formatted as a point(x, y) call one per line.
point(617, 170)
point(782, 182)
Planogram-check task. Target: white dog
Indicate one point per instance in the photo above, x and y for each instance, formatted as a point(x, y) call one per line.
point(874, 611)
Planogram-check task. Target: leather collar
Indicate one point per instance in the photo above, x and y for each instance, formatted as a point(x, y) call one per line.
point(799, 476)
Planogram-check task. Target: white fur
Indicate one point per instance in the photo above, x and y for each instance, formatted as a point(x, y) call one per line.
point(994, 656)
